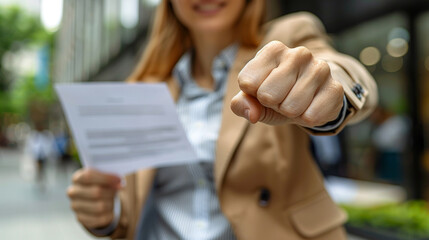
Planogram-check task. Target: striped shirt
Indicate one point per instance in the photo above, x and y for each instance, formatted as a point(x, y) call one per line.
point(184, 197)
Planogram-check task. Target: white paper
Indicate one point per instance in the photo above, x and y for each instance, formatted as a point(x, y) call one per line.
point(120, 128)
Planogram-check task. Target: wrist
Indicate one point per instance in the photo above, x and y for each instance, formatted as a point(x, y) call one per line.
point(109, 229)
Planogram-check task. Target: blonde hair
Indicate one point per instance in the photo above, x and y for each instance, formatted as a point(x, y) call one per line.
point(170, 39)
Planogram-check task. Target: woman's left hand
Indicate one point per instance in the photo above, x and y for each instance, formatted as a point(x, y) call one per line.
point(287, 85)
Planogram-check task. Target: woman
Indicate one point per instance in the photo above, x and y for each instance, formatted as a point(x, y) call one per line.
point(247, 96)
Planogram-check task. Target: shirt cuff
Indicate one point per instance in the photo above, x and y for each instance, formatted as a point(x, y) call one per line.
point(328, 127)
point(112, 226)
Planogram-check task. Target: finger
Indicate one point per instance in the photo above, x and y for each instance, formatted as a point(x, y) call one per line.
point(274, 89)
point(95, 221)
point(308, 83)
point(91, 176)
point(247, 106)
point(92, 207)
point(256, 70)
point(256, 112)
point(90, 192)
point(325, 107)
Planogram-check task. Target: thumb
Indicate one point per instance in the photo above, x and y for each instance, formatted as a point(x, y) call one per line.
point(246, 106)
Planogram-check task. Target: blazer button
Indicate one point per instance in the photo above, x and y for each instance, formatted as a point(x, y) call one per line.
point(264, 197)
point(358, 90)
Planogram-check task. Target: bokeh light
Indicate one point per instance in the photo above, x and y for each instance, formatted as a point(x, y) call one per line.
point(129, 13)
point(397, 47)
point(399, 32)
point(370, 56)
point(51, 13)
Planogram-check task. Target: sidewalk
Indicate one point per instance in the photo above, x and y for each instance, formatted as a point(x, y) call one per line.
point(30, 211)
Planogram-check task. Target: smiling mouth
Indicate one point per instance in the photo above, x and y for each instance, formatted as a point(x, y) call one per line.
point(209, 7)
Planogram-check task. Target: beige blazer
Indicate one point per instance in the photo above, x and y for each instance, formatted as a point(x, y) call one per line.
point(267, 183)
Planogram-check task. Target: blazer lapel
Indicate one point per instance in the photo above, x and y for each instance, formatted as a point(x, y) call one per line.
point(232, 127)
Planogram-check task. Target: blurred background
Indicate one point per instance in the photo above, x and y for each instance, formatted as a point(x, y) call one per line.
point(377, 170)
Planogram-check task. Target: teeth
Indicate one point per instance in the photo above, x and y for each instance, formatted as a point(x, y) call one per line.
point(208, 7)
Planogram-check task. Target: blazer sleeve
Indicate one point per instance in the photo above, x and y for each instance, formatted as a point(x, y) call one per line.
point(305, 29)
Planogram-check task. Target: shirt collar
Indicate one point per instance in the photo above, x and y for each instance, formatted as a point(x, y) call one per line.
point(183, 69)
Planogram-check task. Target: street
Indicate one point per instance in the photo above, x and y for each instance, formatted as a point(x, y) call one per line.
point(33, 211)
point(29, 210)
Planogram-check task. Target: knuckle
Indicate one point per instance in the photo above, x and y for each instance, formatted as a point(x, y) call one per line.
point(310, 119)
point(303, 53)
point(336, 90)
point(97, 192)
point(291, 110)
point(275, 46)
point(247, 82)
point(87, 176)
point(267, 99)
point(71, 192)
point(101, 207)
point(322, 70)
point(323, 67)
point(77, 176)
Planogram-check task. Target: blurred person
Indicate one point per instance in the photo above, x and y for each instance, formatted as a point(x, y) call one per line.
point(62, 140)
point(390, 138)
point(40, 146)
point(247, 94)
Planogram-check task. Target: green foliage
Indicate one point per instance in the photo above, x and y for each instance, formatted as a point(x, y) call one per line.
point(16, 25)
point(411, 218)
point(19, 29)
point(25, 92)
point(5, 105)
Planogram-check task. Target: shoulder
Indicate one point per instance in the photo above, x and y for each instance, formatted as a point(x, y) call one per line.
point(291, 27)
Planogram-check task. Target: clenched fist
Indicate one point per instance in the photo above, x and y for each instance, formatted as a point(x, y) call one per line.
point(92, 196)
point(287, 85)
